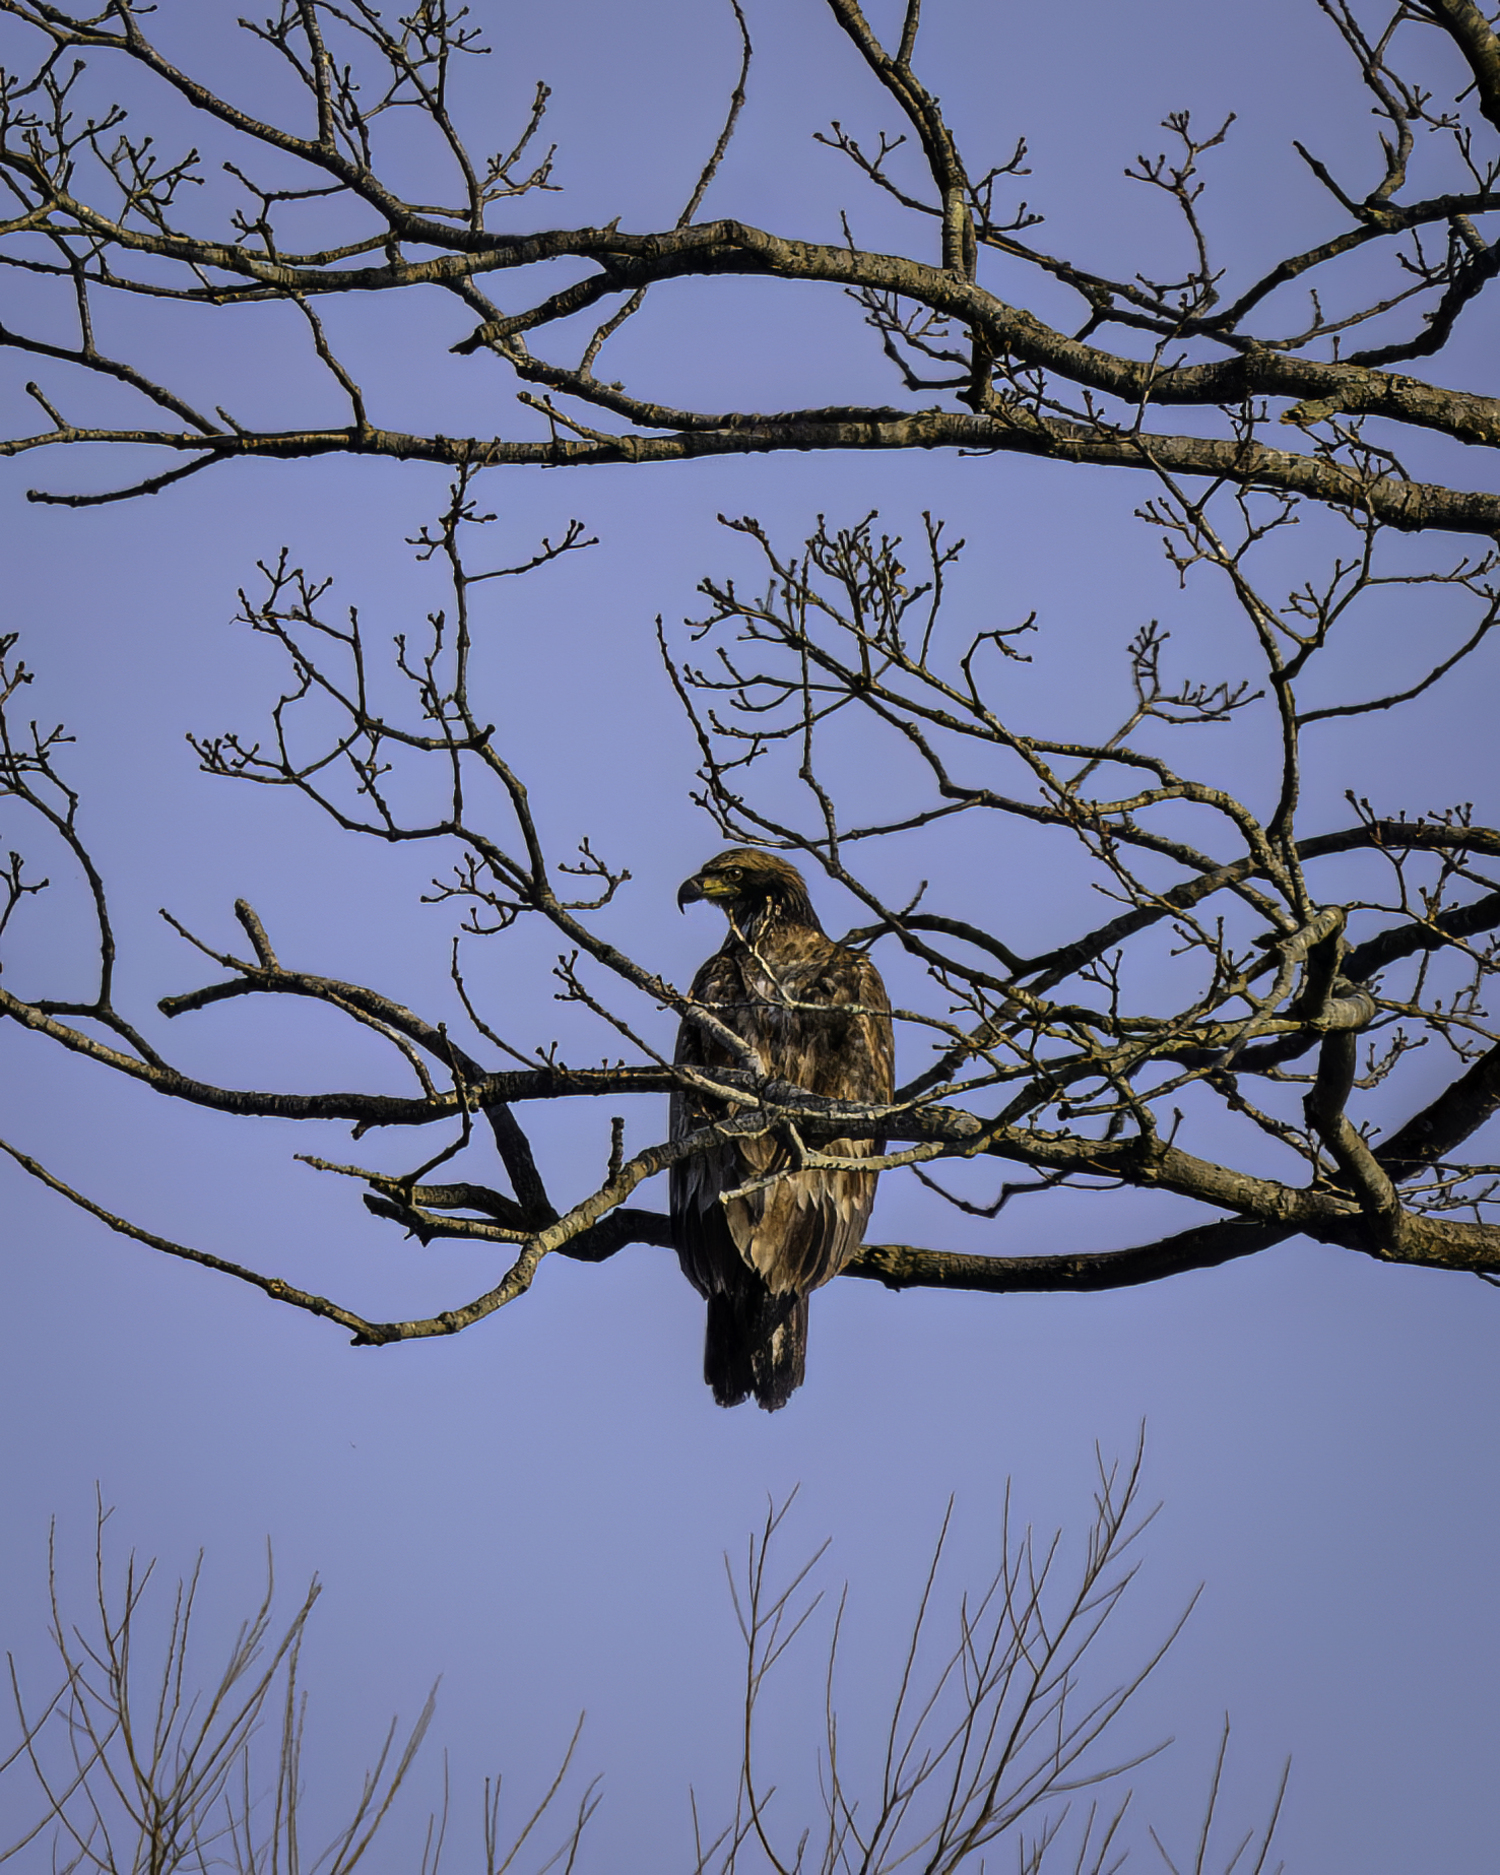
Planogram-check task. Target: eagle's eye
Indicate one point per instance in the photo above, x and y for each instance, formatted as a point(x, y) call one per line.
point(734, 872)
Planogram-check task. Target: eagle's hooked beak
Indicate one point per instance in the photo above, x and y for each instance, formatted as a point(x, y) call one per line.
point(688, 893)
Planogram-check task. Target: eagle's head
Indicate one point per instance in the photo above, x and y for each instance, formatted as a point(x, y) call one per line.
point(747, 883)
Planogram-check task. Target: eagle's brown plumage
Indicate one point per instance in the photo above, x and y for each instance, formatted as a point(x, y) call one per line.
point(818, 1016)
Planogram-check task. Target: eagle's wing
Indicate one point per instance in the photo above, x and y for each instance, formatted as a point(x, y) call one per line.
point(802, 1229)
point(756, 1340)
point(710, 1259)
point(798, 1231)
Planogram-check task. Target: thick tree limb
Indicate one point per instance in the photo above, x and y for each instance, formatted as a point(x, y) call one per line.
point(899, 1266)
point(1457, 1113)
point(1409, 506)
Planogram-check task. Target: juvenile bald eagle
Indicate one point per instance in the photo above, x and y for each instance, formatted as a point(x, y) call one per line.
point(818, 1016)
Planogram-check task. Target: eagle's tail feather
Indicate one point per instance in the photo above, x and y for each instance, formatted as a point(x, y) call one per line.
point(756, 1345)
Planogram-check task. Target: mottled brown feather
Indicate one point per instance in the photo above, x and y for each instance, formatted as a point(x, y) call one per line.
point(818, 1016)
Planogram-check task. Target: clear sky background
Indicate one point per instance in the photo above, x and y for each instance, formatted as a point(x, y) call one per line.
point(536, 1510)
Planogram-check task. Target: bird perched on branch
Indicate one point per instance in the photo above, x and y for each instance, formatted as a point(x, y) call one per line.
point(817, 1016)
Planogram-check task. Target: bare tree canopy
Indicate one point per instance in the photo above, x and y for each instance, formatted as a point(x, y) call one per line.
point(1250, 1023)
point(1000, 1732)
point(96, 204)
